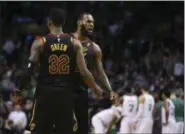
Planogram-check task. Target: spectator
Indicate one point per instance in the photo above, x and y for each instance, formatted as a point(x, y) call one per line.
point(8, 48)
point(18, 118)
point(179, 70)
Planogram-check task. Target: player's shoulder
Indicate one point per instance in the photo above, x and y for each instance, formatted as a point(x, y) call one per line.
point(73, 35)
point(38, 42)
point(141, 98)
point(96, 47)
point(40, 38)
point(95, 44)
point(76, 43)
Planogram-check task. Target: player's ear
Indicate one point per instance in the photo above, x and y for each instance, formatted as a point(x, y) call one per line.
point(49, 23)
point(79, 23)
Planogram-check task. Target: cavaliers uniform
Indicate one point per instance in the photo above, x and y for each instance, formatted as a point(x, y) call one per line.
point(81, 90)
point(54, 94)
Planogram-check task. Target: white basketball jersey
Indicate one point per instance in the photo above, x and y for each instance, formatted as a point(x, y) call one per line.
point(148, 106)
point(130, 105)
point(108, 115)
point(171, 108)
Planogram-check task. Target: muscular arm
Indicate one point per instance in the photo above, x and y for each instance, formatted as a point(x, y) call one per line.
point(85, 73)
point(165, 104)
point(140, 110)
point(102, 77)
point(32, 63)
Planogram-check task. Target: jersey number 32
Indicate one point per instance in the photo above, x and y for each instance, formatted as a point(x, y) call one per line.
point(59, 64)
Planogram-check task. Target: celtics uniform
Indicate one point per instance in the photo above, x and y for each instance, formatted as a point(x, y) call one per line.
point(179, 114)
point(157, 119)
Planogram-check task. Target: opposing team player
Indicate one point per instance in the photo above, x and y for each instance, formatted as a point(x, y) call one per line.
point(93, 57)
point(179, 112)
point(129, 109)
point(143, 121)
point(168, 114)
point(103, 120)
point(57, 53)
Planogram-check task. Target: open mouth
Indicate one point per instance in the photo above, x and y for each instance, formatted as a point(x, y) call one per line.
point(90, 30)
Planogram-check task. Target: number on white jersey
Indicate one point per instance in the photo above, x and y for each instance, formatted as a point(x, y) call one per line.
point(171, 109)
point(131, 106)
point(150, 107)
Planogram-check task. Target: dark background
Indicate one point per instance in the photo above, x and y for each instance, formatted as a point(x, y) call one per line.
point(139, 40)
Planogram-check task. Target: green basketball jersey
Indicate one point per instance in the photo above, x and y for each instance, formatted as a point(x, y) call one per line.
point(179, 109)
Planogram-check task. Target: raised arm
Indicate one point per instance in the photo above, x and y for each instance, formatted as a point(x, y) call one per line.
point(85, 73)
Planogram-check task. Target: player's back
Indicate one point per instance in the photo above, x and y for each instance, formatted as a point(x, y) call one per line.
point(107, 115)
point(130, 105)
point(179, 109)
point(57, 61)
point(148, 106)
point(171, 109)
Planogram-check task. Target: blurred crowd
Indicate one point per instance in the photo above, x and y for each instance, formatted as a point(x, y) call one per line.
point(139, 40)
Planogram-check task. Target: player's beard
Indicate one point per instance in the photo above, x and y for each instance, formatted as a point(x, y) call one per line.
point(85, 32)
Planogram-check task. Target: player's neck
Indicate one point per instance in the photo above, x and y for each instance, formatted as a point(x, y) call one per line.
point(145, 92)
point(80, 36)
point(56, 30)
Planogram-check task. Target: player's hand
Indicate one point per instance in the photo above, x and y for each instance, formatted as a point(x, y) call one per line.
point(113, 96)
point(165, 124)
point(134, 125)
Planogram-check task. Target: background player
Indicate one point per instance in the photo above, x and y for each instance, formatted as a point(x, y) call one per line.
point(103, 120)
point(168, 114)
point(179, 112)
point(157, 126)
point(93, 56)
point(58, 55)
point(129, 109)
point(143, 121)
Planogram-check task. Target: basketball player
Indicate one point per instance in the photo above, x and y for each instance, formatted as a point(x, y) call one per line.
point(157, 126)
point(168, 114)
point(143, 121)
point(179, 112)
point(58, 55)
point(104, 120)
point(93, 57)
point(129, 108)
